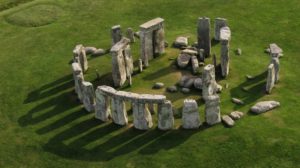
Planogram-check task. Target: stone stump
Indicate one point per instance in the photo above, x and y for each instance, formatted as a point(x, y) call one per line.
point(102, 107)
point(142, 118)
point(119, 113)
point(165, 116)
point(270, 78)
point(209, 86)
point(88, 96)
point(204, 35)
point(212, 110)
point(219, 23)
point(190, 115)
point(116, 34)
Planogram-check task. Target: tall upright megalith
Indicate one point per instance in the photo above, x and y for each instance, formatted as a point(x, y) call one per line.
point(102, 107)
point(78, 79)
point(270, 78)
point(79, 56)
point(219, 23)
point(190, 114)
point(209, 86)
point(116, 34)
point(204, 35)
point(88, 96)
point(212, 109)
point(165, 116)
point(225, 35)
point(142, 118)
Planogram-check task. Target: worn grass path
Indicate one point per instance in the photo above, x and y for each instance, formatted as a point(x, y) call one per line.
point(42, 124)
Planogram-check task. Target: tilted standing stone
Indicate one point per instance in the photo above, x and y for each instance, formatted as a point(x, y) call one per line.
point(165, 116)
point(212, 109)
point(102, 107)
point(88, 96)
point(190, 114)
point(204, 35)
point(119, 113)
point(116, 34)
point(219, 23)
point(270, 78)
point(225, 35)
point(130, 35)
point(209, 86)
point(79, 56)
point(78, 79)
point(275, 61)
point(152, 39)
point(142, 118)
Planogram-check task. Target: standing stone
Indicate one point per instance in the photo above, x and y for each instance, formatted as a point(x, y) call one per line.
point(212, 110)
point(78, 79)
point(209, 86)
point(88, 96)
point(119, 113)
point(140, 65)
point(190, 114)
point(130, 35)
point(79, 56)
point(270, 78)
point(204, 35)
point(128, 61)
point(159, 39)
point(116, 34)
point(195, 64)
point(275, 50)
point(219, 23)
point(225, 36)
point(142, 119)
point(165, 116)
point(275, 61)
point(102, 107)
point(201, 55)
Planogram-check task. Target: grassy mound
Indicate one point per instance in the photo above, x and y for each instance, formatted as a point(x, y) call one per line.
point(35, 16)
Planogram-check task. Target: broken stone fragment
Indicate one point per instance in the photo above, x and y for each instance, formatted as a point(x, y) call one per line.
point(228, 121)
point(264, 106)
point(239, 51)
point(237, 101)
point(236, 115)
point(180, 42)
point(185, 90)
point(172, 89)
point(98, 52)
point(158, 85)
point(219, 88)
point(189, 83)
point(183, 60)
point(198, 83)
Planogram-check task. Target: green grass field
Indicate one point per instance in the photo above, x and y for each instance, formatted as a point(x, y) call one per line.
point(43, 125)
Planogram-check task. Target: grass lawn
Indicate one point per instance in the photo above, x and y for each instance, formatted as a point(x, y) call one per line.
point(43, 125)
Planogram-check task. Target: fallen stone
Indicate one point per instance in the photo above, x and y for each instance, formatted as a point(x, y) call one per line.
point(236, 115)
point(189, 51)
point(189, 83)
point(181, 42)
point(183, 60)
point(190, 114)
point(158, 85)
point(198, 83)
point(172, 89)
point(99, 52)
point(182, 80)
point(264, 106)
point(228, 121)
point(239, 51)
point(237, 101)
point(90, 50)
point(185, 90)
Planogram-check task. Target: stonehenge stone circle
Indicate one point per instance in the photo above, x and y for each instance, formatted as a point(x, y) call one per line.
point(219, 23)
point(79, 56)
point(190, 114)
point(270, 78)
point(142, 118)
point(225, 36)
point(165, 116)
point(204, 35)
point(209, 86)
point(116, 34)
point(102, 107)
point(88, 96)
point(264, 106)
point(152, 37)
point(118, 112)
point(212, 110)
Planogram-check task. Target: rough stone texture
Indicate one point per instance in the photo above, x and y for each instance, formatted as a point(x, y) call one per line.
point(181, 42)
point(270, 78)
point(209, 83)
point(195, 64)
point(236, 115)
point(219, 88)
point(99, 52)
point(119, 113)
point(264, 106)
point(189, 51)
point(130, 35)
point(142, 119)
point(165, 116)
point(275, 50)
point(78, 78)
point(116, 34)
point(185, 90)
point(151, 108)
point(128, 61)
point(183, 60)
point(228, 121)
point(237, 101)
point(158, 85)
point(190, 114)
point(239, 51)
point(152, 39)
point(225, 37)
point(79, 56)
point(90, 50)
point(201, 55)
point(88, 96)
point(119, 60)
point(219, 23)
point(140, 65)
point(102, 107)
point(198, 83)
point(212, 110)
point(172, 89)
point(189, 83)
point(204, 35)
point(275, 61)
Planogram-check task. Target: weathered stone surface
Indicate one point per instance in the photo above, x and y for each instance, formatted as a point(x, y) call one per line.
point(201, 55)
point(78, 78)
point(189, 83)
point(228, 121)
point(185, 90)
point(204, 35)
point(90, 50)
point(219, 88)
point(238, 51)
point(99, 52)
point(198, 83)
point(116, 34)
point(237, 101)
point(236, 115)
point(189, 51)
point(275, 61)
point(195, 64)
point(209, 83)
point(79, 56)
point(225, 33)
point(119, 113)
point(140, 65)
point(212, 110)
point(102, 107)
point(183, 60)
point(190, 114)
point(270, 78)
point(158, 85)
point(128, 61)
point(264, 106)
point(275, 50)
point(130, 35)
point(225, 37)
point(165, 116)
point(219, 23)
point(181, 42)
point(88, 96)
point(142, 119)
point(172, 89)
